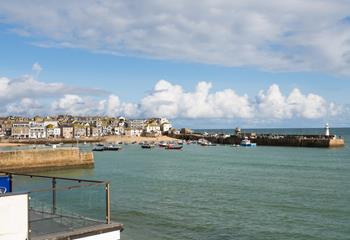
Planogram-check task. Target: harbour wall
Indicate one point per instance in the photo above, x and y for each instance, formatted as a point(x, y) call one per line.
point(43, 159)
point(266, 140)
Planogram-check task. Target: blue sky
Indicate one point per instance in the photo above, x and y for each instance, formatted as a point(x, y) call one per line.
point(285, 73)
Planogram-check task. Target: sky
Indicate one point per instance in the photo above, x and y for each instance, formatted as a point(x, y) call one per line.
point(202, 64)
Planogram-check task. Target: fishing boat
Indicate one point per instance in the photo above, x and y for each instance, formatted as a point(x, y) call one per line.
point(162, 144)
point(246, 143)
point(173, 147)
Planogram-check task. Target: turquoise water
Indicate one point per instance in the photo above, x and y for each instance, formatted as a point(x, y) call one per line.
point(226, 193)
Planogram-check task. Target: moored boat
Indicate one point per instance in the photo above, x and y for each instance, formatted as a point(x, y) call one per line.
point(173, 147)
point(147, 146)
point(246, 143)
point(112, 148)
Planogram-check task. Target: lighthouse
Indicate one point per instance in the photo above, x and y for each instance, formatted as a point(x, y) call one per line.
point(326, 128)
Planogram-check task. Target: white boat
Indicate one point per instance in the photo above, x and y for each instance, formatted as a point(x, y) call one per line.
point(246, 143)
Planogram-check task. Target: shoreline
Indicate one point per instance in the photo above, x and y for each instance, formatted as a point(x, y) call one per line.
point(11, 144)
point(113, 138)
point(127, 139)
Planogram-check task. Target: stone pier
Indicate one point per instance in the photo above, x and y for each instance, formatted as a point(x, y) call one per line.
point(37, 159)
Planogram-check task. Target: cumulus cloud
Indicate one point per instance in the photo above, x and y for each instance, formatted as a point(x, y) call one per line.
point(26, 106)
point(272, 35)
point(78, 105)
point(274, 105)
point(28, 96)
point(172, 101)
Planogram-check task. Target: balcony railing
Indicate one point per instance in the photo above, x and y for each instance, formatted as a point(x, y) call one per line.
point(60, 204)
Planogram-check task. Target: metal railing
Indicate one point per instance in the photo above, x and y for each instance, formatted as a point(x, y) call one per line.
point(46, 191)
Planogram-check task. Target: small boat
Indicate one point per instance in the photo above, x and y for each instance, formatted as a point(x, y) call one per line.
point(112, 148)
point(147, 145)
point(134, 142)
point(181, 142)
point(207, 144)
point(246, 143)
point(173, 147)
point(98, 148)
point(162, 144)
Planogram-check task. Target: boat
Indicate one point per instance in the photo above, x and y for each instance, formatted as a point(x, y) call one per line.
point(147, 145)
point(246, 143)
point(162, 144)
point(173, 147)
point(181, 142)
point(112, 147)
point(207, 144)
point(98, 148)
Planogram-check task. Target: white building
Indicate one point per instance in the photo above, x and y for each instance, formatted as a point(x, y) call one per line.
point(37, 130)
point(133, 132)
point(165, 127)
point(54, 132)
point(152, 127)
point(119, 130)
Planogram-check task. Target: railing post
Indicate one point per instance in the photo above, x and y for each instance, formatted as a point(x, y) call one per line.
point(11, 184)
point(108, 206)
point(53, 195)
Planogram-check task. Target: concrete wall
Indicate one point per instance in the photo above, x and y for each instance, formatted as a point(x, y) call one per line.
point(45, 159)
point(288, 140)
point(336, 143)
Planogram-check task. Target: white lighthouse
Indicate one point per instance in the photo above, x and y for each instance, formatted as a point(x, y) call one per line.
point(326, 128)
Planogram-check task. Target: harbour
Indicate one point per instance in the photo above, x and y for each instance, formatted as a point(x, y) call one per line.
point(222, 192)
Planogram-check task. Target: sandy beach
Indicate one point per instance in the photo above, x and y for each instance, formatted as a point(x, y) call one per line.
point(5, 144)
point(128, 139)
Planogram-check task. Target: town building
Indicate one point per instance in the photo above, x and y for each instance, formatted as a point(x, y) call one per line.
point(20, 130)
point(37, 130)
point(67, 131)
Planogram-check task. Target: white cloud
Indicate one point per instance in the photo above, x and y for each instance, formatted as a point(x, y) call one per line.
point(274, 105)
point(117, 108)
point(74, 104)
point(28, 96)
point(25, 106)
point(271, 35)
point(37, 68)
point(172, 101)
point(28, 86)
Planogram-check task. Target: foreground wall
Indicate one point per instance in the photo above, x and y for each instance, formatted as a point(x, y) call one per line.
point(45, 159)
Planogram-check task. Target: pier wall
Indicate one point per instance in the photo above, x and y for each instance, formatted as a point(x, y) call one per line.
point(23, 160)
point(287, 140)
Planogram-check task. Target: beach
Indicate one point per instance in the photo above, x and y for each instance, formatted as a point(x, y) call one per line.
point(127, 139)
point(7, 144)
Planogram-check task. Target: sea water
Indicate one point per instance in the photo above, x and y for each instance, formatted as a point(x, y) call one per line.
point(224, 192)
